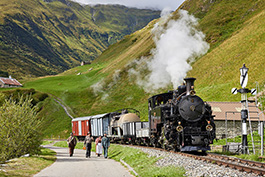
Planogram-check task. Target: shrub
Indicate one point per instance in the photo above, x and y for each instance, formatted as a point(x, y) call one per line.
point(20, 127)
point(40, 96)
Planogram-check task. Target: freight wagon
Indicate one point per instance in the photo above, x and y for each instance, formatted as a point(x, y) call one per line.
point(96, 124)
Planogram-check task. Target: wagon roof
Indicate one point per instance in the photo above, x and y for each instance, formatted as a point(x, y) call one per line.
point(90, 117)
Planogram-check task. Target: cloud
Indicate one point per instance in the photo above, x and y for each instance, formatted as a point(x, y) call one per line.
point(177, 45)
point(142, 4)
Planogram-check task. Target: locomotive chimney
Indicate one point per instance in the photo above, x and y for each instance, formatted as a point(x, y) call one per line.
point(189, 84)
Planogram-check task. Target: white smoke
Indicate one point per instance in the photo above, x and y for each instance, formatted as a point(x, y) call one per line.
point(177, 45)
point(98, 88)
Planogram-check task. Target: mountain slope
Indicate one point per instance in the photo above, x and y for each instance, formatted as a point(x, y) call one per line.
point(106, 85)
point(235, 31)
point(245, 46)
point(40, 38)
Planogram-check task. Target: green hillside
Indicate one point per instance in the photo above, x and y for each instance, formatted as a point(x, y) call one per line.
point(47, 37)
point(236, 35)
point(234, 30)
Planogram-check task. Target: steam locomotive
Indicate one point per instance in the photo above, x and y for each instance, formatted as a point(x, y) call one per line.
point(178, 120)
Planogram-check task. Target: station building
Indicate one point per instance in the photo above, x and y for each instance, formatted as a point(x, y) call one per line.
point(228, 118)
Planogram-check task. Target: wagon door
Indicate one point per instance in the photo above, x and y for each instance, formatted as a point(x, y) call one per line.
point(87, 126)
point(75, 128)
point(105, 125)
point(84, 128)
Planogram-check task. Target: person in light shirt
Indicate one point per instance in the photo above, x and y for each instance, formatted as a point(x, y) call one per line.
point(98, 146)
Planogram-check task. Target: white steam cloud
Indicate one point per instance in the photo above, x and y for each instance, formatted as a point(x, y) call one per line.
point(98, 88)
point(141, 4)
point(177, 44)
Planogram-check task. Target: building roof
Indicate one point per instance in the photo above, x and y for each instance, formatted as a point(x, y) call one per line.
point(10, 81)
point(232, 111)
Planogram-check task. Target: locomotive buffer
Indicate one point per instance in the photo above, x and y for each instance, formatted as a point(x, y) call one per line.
point(244, 111)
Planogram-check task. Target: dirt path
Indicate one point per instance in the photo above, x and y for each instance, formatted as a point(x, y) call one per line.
point(79, 166)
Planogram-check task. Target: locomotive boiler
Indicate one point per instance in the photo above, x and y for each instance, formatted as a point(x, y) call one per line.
point(180, 120)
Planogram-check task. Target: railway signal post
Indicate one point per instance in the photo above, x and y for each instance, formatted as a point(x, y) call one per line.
point(244, 111)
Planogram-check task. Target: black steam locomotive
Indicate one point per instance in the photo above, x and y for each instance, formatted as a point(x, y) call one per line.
point(180, 120)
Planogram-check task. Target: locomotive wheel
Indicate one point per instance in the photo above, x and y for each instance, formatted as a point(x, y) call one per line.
point(165, 147)
point(132, 142)
point(147, 143)
point(157, 145)
point(139, 142)
point(177, 149)
point(154, 145)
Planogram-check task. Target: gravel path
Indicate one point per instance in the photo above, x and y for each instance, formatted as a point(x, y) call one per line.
point(194, 168)
point(79, 166)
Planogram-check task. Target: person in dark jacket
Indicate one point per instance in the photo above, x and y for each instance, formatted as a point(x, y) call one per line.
point(71, 141)
point(87, 144)
point(105, 143)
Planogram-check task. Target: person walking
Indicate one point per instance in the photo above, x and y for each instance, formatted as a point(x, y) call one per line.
point(105, 143)
point(87, 144)
point(71, 141)
point(98, 146)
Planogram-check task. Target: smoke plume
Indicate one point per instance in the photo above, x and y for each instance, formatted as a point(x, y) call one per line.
point(178, 43)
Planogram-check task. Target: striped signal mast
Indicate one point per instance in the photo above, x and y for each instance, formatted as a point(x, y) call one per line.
point(244, 110)
point(244, 101)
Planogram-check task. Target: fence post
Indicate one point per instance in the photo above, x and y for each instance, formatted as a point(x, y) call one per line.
point(262, 136)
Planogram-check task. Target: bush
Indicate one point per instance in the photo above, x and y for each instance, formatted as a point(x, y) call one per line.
point(15, 94)
point(37, 97)
point(20, 127)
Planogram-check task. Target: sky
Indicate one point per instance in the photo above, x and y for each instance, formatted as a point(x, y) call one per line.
point(142, 4)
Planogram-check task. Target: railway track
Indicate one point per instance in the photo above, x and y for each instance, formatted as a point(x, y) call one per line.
point(242, 165)
point(232, 162)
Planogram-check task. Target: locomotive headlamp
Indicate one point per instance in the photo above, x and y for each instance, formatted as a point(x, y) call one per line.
point(179, 128)
point(209, 127)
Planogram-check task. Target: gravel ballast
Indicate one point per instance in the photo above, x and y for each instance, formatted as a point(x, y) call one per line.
point(193, 167)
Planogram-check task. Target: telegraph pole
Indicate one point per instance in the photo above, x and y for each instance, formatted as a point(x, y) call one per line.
point(244, 101)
